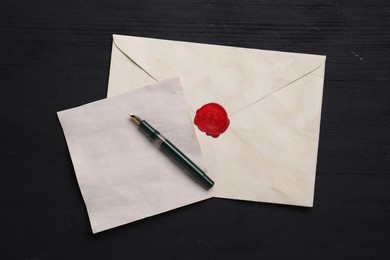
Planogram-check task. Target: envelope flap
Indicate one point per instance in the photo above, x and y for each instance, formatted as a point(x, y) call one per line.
point(232, 76)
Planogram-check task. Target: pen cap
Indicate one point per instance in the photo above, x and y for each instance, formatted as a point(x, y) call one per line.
point(186, 163)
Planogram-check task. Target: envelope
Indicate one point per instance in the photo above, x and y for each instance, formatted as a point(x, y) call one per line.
point(122, 176)
point(273, 100)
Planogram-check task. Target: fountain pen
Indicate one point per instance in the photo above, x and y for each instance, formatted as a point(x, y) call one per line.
point(172, 151)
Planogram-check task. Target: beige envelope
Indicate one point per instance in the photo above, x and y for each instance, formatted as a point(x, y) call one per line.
point(273, 100)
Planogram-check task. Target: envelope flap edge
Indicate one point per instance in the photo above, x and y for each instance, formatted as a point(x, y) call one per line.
point(162, 59)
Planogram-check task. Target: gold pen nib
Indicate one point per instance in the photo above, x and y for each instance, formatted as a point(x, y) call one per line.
point(136, 119)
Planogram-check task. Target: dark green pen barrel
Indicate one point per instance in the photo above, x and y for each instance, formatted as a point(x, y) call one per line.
point(184, 161)
point(149, 130)
point(176, 154)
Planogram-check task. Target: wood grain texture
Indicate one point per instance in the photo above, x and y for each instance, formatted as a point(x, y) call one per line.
point(55, 55)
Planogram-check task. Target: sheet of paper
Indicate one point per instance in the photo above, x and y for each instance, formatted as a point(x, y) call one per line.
point(122, 176)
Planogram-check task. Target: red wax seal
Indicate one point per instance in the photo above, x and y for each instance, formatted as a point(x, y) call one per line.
point(212, 119)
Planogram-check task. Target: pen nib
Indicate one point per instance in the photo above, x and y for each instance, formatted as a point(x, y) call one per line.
point(136, 119)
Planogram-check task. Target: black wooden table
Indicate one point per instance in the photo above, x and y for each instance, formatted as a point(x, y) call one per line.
point(55, 55)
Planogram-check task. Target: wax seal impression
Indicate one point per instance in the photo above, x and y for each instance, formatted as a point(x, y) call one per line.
point(212, 119)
